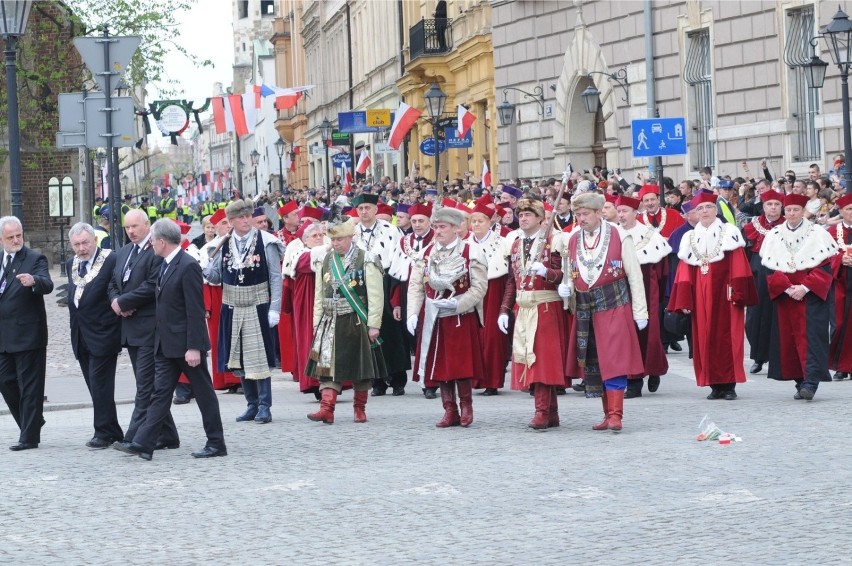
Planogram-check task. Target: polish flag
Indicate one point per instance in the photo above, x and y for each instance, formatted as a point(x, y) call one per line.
point(288, 100)
point(250, 111)
point(403, 121)
point(228, 114)
point(257, 95)
point(486, 175)
point(364, 163)
point(466, 120)
point(347, 180)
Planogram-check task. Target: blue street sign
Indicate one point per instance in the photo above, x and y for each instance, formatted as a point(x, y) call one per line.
point(655, 137)
point(455, 142)
point(427, 146)
point(338, 159)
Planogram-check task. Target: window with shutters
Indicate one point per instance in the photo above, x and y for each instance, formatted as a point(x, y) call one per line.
point(803, 102)
point(697, 74)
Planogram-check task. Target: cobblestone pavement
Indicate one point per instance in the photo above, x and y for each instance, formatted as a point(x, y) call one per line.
point(398, 491)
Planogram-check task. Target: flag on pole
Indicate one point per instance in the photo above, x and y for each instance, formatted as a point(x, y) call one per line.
point(347, 180)
point(486, 175)
point(228, 114)
point(466, 120)
point(364, 163)
point(403, 121)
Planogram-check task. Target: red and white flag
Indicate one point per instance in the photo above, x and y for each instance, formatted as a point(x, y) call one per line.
point(287, 100)
point(403, 121)
point(364, 163)
point(228, 114)
point(486, 175)
point(347, 180)
point(466, 120)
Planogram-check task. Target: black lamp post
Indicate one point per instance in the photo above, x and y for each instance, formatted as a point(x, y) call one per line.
point(279, 149)
point(13, 19)
point(325, 132)
point(435, 100)
point(838, 36)
point(292, 163)
point(255, 159)
point(506, 110)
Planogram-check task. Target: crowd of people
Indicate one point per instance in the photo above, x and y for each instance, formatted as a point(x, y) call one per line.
point(581, 283)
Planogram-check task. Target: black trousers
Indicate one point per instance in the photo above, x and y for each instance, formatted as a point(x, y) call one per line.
point(142, 360)
point(167, 373)
point(22, 385)
point(99, 373)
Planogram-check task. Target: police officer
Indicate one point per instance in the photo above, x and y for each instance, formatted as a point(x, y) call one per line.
point(149, 209)
point(126, 207)
point(96, 211)
point(167, 208)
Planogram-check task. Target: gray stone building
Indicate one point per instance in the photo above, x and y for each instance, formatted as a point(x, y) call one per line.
point(732, 69)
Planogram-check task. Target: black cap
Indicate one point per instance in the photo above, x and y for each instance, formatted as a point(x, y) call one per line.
point(128, 197)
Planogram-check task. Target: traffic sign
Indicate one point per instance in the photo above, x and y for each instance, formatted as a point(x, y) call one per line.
point(656, 137)
point(71, 116)
point(427, 146)
point(122, 121)
point(121, 50)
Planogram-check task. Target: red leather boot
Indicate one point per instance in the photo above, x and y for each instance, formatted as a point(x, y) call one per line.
point(451, 411)
point(604, 424)
point(360, 406)
point(615, 400)
point(326, 411)
point(465, 388)
point(553, 410)
point(542, 395)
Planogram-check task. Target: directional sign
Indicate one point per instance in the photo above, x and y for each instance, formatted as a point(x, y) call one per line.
point(656, 137)
point(121, 50)
point(122, 121)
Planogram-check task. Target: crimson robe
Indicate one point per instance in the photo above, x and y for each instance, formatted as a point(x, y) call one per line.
point(840, 354)
point(213, 306)
point(665, 226)
point(717, 301)
point(297, 303)
point(495, 345)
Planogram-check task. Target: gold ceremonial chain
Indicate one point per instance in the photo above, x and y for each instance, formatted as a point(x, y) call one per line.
point(595, 263)
point(758, 226)
point(662, 220)
point(705, 258)
point(841, 241)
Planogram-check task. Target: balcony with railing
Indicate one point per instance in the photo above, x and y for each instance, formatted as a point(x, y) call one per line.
point(430, 37)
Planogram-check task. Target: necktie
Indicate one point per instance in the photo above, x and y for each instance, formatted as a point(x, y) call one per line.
point(654, 222)
point(7, 265)
point(134, 252)
point(367, 231)
point(84, 268)
point(163, 267)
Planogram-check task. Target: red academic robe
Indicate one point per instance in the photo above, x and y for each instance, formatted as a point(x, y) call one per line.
point(717, 301)
point(840, 353)
point(666, 220)
point(213, 305)
point(297, 302)
point(654, 278)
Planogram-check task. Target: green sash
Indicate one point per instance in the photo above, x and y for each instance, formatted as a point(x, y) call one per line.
point(351, 297)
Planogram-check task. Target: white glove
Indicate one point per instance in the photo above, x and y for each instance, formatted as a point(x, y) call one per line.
point(503, 323)
point(642, 324)
point(450, 304)
point(273, 317)
point(539, 269)
point(411, 323)
point(564, 290)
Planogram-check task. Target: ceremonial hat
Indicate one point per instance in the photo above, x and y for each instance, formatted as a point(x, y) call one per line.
point(351, 212)
point(843, 201)
point(795, 200)
point(448, 215)
point(686, 207)
point(703, 196)
point(420, 209)
point(218, 216)
point(531, 205)
point(513, 191)
point(288, 208)
point(258, 211)
point(310, 212)
point(624, 200)
point(239, 208)
point(611, 198)
point(486, 208)
point(403, 208)
point(649, 190)
point(300, 233)
point(365, 198)
point(385, 209)
point(465, 209)
point(772, 195)
point(502, 210)
point(548, 207)
point(486, 198)
point(341, 229)
point(448, 202)
point(592, 201)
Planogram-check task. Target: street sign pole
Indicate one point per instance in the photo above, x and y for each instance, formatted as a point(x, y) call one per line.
point(112, 159)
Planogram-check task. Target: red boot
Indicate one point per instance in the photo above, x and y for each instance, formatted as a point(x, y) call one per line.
point(451, 411)
point(604, 424)
point(360, 406)
point(326, 411)
point(542, 395)
point(615, 401)
point(465, 388)
point(553, 410)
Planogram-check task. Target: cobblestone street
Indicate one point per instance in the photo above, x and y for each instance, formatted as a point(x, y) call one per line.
point(397, 490)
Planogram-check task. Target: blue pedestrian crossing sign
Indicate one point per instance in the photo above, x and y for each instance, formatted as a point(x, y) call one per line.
point(655, 137)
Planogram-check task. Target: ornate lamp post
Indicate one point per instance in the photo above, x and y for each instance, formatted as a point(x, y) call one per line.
point(255, 159)
point(325, 132)
point(435, 100)
point(279, 149)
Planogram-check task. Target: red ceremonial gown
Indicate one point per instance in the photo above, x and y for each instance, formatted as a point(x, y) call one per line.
point(213, 305)
point(666, 221)
point(717, 300)
point(840, 354)
point(286, 344)
point(297, 302)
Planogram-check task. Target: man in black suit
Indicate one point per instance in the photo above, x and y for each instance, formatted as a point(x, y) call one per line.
point(131, 294)
point(180, 345)
point(95, 329)
point(24, 281)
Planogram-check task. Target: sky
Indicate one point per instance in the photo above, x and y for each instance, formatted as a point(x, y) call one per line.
point(206, 32)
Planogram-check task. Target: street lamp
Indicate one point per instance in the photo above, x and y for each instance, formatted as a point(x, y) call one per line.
point(591, 96)
point(279, 149)
point(506, 110)
point(292, 162)
point(13, 19)
point(435, 99)
point(325, 132)
point(838, 36)
point(255, 159)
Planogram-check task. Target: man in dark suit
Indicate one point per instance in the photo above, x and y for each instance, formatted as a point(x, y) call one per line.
point(131, 294)
point(24, 281)
point(95, 329)
point(180, 345)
